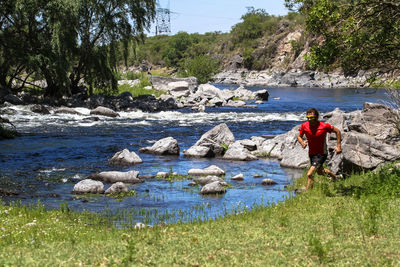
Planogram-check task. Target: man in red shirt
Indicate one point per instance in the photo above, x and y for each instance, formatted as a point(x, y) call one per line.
point(315, 132)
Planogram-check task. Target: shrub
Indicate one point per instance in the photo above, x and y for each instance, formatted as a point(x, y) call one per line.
point(201, 67)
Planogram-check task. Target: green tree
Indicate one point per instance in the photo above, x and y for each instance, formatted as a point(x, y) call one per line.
point(358, 34)
point(177, 46)
point(202, 67)
point(66, 41)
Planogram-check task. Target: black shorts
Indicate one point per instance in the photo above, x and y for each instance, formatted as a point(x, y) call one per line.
point(318, 160)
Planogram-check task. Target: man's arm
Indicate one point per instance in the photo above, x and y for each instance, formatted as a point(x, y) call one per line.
point(338, 148)
point(301, 141)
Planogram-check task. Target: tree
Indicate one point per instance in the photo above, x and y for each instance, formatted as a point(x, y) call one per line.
point(66, 41)
point(358, 34)
point(202, 67)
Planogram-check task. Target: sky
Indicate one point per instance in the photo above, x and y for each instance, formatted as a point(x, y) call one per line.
point(200, 16)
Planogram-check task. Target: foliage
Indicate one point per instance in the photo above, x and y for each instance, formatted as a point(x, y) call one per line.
point(202, 67)
point(255, 24)
point(359, 34)
point(34, 40)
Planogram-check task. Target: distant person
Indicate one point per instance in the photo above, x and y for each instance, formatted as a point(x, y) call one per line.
point(315, 132)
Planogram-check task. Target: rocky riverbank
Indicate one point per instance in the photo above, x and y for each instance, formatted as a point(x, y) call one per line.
point(297, 78)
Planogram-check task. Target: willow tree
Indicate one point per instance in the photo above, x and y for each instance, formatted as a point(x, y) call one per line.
point(67, 41)
point(102, 25)
point(357, 34)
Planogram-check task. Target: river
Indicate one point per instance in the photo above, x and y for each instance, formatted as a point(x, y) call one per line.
point(58, 150)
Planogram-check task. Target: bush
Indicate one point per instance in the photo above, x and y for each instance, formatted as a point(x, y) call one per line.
point(201, 67)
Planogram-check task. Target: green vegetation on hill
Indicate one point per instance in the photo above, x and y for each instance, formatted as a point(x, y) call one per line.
point(352, 222)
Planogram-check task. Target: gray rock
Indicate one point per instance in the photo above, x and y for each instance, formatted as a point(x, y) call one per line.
point(161, 83)
point(237, 151)
point(262, 94)
point(211, 170)
point(361, 151)
point(376, 120)
point(103, 111)
point(165, 146)
point(88, 186)
point(198, 152)
point(125, 157)
point(213, 188)
point(238, 177)
point(214, 139)
point(130, 177)
point(117, 188)
point(207, 180)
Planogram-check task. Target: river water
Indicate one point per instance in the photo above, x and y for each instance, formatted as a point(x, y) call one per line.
point(58, 150)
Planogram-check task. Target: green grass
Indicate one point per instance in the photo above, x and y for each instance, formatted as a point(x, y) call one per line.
point(354, 222)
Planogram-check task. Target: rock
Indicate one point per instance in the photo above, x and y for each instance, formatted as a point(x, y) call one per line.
point(249, 144)
point(13, 99)
point(179, 88)
point(286, 148)
point(161, 83)
point(117, 188)
point(88, 186)
point(214, 139)
point(198, 152)
point(268, 182)
point(238, 177)
point(207, 180)
point(125, 157)
point(40, 109)
point(237, 151)
point(103, 111)
point(213, 188)
point(262, 94)
point(130, 177)
point(361, 151)
point(165, 146)
point(376, 120)
point(211, 170)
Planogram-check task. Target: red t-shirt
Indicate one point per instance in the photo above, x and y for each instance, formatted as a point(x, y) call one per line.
point(316, 136)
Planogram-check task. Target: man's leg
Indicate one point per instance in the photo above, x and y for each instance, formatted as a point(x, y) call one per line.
point(310, 178)
point(330, 174)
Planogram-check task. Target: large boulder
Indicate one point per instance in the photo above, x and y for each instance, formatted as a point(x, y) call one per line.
point(286, 148)
point(361, 151)
point(214, 139)
point(376, 120)
point(88, 186)
point(236, 151)
point(178, 88)
point(165, 146)
point(162, 83)
point(130, 177)
point(125, 157)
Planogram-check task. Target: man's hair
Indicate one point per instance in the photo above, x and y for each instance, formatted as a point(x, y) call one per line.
point(313, 110)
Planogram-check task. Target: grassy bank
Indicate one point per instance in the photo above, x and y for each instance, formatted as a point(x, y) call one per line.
point(354, 222)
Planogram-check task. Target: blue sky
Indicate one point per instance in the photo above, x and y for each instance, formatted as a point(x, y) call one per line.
point(214, 15)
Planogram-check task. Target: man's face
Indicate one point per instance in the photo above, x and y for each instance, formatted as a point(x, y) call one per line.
point(312, 118)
